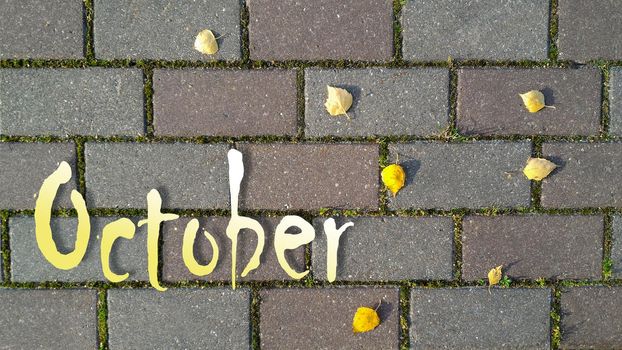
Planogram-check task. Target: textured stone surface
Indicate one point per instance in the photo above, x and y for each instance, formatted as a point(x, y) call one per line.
point(216, 318)
point(36, 29)
point(615, 101)
point(92, 101)
point(321, 29)
point(29, 265)
point(45, 319)
point(472, 175)
point(473, 318)
point(589, 175)
point(589, 30)
point(489, 101)
point(386, 101)
point(388, 248)
point(310, 176)
point(186, 175)
point(616, 248)
point(174, 269)
point(153, 29)
point(590, 318)
point(483, 29)
point(322, 318)
point(533, 246)
point(224, 102)
point(24, 166)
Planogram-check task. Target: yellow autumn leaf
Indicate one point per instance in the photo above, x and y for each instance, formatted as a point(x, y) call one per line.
point(206, 42)
point(365, 319)
point(393, 176)
point(494, 276)
point(534, 100)
point(538, 168)
point(338, 102)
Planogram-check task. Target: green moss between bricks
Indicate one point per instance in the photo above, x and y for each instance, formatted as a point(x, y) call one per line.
point(102, 318)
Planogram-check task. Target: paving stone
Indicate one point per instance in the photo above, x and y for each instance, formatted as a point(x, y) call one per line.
point(386, 101)
point(615, 101)
point(321, 29)
point(35, 29)
point(174, 269)
point(152, 29)
point(44, 319)
point(588, 175)
point(310, 176)
point(590, 318)
point(489, 101)
point(462, 175)
point(224, 102)
point(514, 30)
point(473, 318)
point(616, 248)
point(25, 166)
point(215, 318)
point(29, 265)
point(589, 30)
point(91, 101)
point(186, 175)
point(323, 318)
point(410, 249)
point(533, 246)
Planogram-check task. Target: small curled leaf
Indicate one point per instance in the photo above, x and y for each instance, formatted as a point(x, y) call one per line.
point(534, 101)
point(393, 176)
point(206, 43)
point(338, 102)
point(365, 320)
point(494, 276)
point(538, 168)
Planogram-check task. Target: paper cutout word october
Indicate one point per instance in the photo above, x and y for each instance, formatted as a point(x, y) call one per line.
point(125, 228)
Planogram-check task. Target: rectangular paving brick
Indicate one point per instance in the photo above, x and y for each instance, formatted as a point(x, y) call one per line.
point(389, 249)
point(462, 175)
point(91, 101)
point(615, 101)
point(36, 29)
point(533, 246)
point(310, 176)
point(321, 318)
point(473, 318)
point(25, 166)
point(29, 265)
point(433, 30)
point(38, 319)
point(590, 318)
point(321, 29)
point(174, 269)
point(153, 29)
point(589, 30)
point(216, 318)
point(589, 175)
point(616, 248)
point(489, 101)
point(386, 101)
point(186, 175)
point(194, 102)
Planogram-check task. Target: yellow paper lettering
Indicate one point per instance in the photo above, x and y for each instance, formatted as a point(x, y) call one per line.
point(332, 246)
point(284, 241)
point(154, 218)
point(191, 263)
point(238, 223)
point(122, 228)
point(43, 215)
